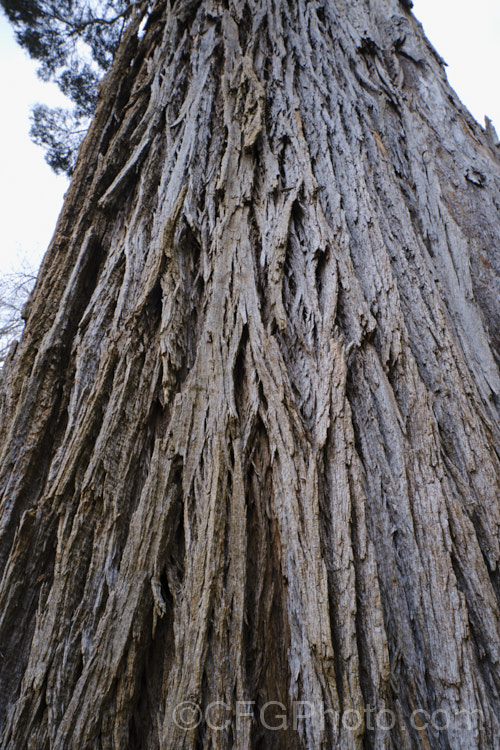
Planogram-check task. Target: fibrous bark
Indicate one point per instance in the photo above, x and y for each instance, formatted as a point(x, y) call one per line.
point(248, 435)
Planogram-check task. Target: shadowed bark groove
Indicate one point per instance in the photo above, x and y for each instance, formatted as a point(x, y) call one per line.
point(248, 437)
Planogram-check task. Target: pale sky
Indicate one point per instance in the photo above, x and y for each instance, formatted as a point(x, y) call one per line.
point(466, 35)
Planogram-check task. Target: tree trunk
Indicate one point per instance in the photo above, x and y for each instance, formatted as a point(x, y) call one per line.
point(248, 435)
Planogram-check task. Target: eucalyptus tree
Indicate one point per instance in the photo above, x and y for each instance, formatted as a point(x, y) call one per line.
point(249, 479)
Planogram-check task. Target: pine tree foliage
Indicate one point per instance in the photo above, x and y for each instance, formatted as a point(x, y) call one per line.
point(74, 44)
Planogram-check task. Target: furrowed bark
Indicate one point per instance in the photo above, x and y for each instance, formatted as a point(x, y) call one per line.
point(248, 437)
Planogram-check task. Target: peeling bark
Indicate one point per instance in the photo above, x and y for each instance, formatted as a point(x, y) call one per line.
point(248, 437)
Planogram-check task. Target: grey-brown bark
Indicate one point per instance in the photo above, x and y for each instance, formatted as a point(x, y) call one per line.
point(248, 434)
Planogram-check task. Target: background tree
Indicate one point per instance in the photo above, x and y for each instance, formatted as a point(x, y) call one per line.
point(15, 288)
point(74, 41)
point(249, 432)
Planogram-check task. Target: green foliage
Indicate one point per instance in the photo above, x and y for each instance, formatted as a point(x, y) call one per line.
point(60, 132)
point(74, 42)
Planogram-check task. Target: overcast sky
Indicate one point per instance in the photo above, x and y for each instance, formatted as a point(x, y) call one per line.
point(466, 34)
